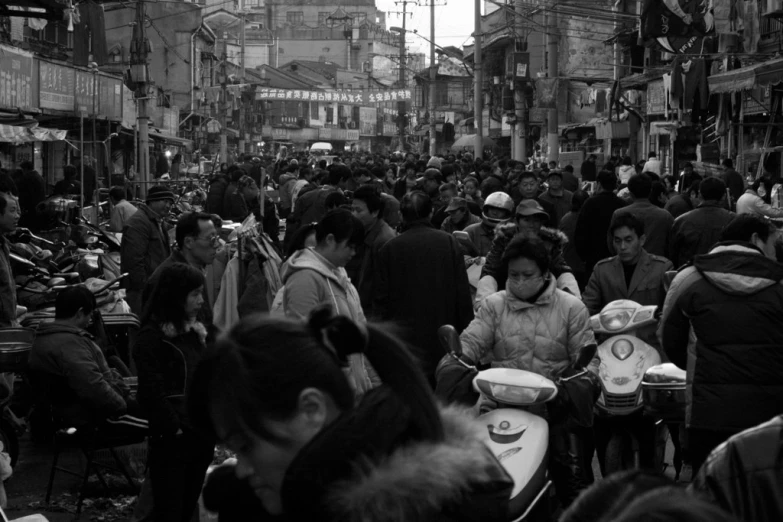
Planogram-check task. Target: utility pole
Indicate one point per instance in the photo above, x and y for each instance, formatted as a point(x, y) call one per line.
point(140, 75)
point(401, 109)
point(222, 106)
point(553, 137)
point(242, 76)
point(478, 145)
point(433, 76)
point(520, 100)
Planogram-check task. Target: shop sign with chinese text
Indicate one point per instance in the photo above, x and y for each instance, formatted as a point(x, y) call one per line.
point(16, 78)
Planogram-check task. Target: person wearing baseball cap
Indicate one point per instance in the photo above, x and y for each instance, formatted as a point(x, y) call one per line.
point(459, 217)
point(429, 182)
point(145, 243)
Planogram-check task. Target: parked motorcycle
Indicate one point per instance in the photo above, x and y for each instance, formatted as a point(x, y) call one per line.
point(518, 438)
point(625, 438)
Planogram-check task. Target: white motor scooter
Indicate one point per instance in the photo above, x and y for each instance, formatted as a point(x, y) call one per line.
point(625, 358)
point(519, 439)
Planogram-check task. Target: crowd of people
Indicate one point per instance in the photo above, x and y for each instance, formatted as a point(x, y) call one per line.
point(329, 401)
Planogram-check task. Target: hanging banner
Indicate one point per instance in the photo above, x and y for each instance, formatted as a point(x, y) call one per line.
point(16, 79)
point(367, 98)
point(546, 93)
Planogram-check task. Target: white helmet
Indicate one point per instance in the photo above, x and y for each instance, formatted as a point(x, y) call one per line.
point(501, 201)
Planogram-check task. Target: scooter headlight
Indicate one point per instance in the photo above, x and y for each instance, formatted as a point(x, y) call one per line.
point(614, 320)
point(514, 394)
point(622, 349)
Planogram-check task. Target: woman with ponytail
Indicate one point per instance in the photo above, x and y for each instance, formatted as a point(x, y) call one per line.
point(275, 393)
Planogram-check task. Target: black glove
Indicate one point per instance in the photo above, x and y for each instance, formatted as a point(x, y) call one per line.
point(455, 382)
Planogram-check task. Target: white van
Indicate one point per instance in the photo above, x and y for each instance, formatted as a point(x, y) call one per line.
point(322, 147)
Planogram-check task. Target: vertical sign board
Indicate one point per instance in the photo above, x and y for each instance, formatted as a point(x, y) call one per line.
point(16, 79)
point(56, 87)
point(110, 98)
point(84, 92)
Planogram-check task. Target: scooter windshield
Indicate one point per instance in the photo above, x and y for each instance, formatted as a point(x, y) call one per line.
point(617, 319)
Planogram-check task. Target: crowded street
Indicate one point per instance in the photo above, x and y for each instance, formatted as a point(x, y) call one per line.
point(391, 261)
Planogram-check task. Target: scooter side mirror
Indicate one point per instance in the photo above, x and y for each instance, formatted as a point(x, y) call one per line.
point(449, 339)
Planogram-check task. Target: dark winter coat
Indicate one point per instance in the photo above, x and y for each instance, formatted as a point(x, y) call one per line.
point(166, 359)
point(361, 269)
point(744, 477)
point(421, 283)
point(695, 232)
point(678, 205)
point(143, 247)
point(369, 465)
point(215, 195)
point(592, 227)
point(7, 286)
point(731, 299)
point(82, 388)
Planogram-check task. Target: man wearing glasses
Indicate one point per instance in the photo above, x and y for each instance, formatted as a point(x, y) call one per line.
point(197, 243)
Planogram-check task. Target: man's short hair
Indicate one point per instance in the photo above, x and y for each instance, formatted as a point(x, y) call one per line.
point(607, 180)
point(188, 226)
point(712, 189)
point(728, 163)
point(71, 299)
point(4, 197)
point(448, 186)
point(651, 154)
point(629, 220)
point(415, 206)
point(569, 168)
point(361, 172)
point(640, 186)
point(118, 193)
point(528, 174)
point(371, 197)
point(742, 228)
point(335, 200)
point(337, 173)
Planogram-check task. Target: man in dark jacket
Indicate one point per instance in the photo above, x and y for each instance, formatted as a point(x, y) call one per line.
point(421, 282)
point(529, 188)
point(32, 190)
point(368, 207)
point(685, 202)
point(72, 370)
point(215, 195)
point(695, 232)
point(657, 222)
point(733, 181)
point(9, 218)
point(145, 243)
point(587, 170)
point(744, 476)
point(730, 299)
point(197, 243)
point(592, 224)
point(311, 207)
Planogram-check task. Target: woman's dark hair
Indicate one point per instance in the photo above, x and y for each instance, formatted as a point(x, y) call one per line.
point(342, 225)
point(70, 300)
point(768, 184)
point(578, 199)
point(166, 303)
point(299, 237)
point(627, 160)
point(603, 500)
point(270, 361)
point(743, 226)
point(672, 504)
point(530, 248)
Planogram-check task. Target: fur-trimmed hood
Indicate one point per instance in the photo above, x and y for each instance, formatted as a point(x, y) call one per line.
point(429, 481)
point(172, 332)
point(548, 235)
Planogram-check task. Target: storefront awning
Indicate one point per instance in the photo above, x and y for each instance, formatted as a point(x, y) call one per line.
point(172, 140)
point(744, 78)
point(19, 135)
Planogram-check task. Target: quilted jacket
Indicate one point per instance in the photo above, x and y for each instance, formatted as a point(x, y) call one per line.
point(542, 337)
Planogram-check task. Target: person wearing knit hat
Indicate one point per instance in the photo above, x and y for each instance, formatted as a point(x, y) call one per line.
point(145, 243)
point(434, 162)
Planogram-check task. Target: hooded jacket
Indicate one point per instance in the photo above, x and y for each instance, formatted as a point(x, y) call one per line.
point(74, 370)
point(625, 172)
point(311, 281)
point(493, 276)
point(731, 298)
point(744, 477)
point(369, 466)
point(543, 337)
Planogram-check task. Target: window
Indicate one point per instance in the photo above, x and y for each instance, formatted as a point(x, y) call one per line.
point(322, 17)
point(251, 3)
point(314, 111)
point(294, 17)
point(280, 50)
point(329, 115)
point(359, 17)
point(54, 32)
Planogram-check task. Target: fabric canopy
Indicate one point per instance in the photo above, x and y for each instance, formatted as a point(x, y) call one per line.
point(19, 135)
point(765, 73)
